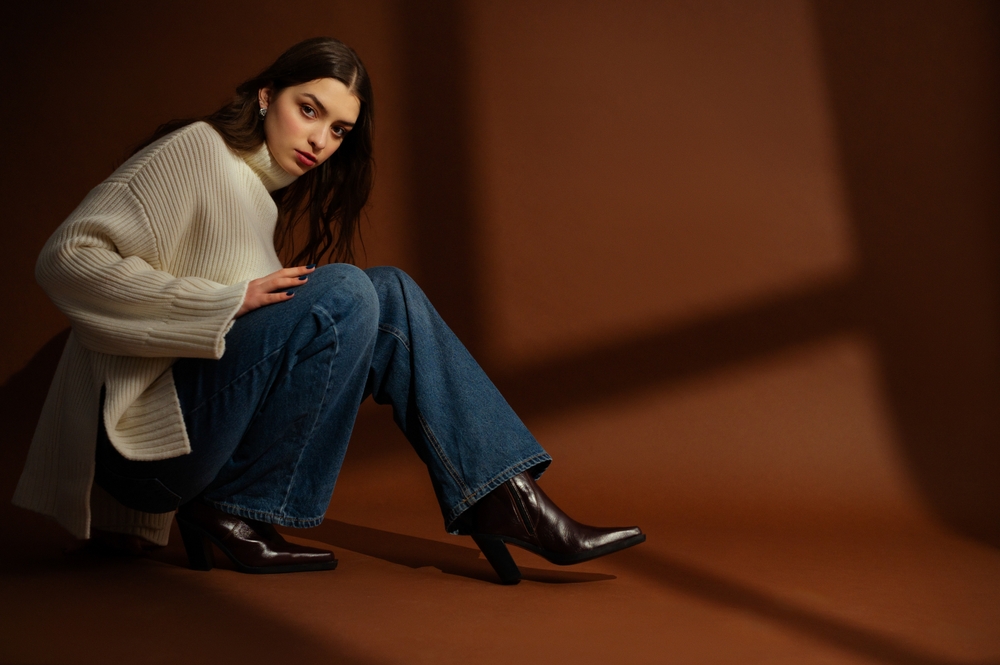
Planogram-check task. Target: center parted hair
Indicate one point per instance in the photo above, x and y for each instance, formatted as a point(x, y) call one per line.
point(329, 199)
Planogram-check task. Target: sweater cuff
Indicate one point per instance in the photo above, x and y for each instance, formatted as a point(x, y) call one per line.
point(200, 319)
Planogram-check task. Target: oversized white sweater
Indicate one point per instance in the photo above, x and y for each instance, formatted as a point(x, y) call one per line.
point(152, 266)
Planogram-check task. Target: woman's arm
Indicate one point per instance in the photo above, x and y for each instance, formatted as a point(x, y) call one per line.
point(100, 269)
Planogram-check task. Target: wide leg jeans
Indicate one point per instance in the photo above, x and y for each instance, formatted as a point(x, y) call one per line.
point(270, 421)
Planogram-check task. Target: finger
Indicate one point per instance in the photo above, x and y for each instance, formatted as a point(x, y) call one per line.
point(281, 296)
point(296, 270)
point(281, 285)
point(264, 299)
point(284, 283)
point(282, 280)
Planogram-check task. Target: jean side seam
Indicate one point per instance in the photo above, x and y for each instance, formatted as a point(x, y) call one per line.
point(242, 374)
point(319, 411)
point(424, 425)
point(398, 334)
point(439, 450)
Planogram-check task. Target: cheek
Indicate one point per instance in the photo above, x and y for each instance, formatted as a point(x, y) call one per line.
point(289, 126)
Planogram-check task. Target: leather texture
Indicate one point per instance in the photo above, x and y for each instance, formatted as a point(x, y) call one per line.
point(522, 514)
point(252, 546)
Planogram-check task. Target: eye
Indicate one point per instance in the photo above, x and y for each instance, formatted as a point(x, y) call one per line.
point(340, 132)
point(308, 111)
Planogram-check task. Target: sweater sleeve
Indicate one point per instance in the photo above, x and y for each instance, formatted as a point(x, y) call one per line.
point(100, 269)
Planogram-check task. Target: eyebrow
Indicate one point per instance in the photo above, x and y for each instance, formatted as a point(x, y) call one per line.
point(323, 108)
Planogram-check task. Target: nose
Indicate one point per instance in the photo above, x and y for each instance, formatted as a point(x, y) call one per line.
point(318, 141)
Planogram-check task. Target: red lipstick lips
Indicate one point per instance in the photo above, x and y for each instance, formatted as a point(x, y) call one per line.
point(305, 158)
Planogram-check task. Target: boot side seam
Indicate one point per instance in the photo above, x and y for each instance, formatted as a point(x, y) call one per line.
point(519, 507)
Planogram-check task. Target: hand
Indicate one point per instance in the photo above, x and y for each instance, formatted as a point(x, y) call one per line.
point(273, 288)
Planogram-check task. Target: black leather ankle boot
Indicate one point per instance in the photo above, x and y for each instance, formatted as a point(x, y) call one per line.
point(519, 513)
point(252, 546)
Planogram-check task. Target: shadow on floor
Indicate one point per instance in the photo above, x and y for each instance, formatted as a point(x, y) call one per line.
point(87, 608)
point(420, 552)
point(730, 594)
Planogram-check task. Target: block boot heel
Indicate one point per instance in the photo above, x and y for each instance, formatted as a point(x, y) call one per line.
point(197, 545)
point(495, 551)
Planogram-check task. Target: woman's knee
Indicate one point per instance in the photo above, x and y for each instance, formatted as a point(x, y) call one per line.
point(348, 286)
point(347, 299)
point(389, 280)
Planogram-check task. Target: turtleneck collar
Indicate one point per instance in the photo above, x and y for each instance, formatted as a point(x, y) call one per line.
point(262, 163)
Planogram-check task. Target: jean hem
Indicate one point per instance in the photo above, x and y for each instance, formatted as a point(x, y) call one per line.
point(269, 517)
point(542, 458)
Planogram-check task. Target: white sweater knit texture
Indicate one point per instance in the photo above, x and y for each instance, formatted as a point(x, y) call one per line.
point(152, 266)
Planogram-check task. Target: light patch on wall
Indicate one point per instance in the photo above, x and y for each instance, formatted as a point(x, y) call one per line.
point(645, 164)
point(799, 436)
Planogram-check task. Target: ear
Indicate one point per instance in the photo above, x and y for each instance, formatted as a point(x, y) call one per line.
point(264, 96)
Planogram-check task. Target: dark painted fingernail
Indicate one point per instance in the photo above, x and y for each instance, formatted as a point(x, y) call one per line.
point(302, 278)
point(289, 293)
point(311, 266)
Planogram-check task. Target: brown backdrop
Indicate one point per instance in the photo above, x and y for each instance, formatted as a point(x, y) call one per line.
point(730, 262)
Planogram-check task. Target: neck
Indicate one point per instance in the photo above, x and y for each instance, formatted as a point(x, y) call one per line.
point(262, 163)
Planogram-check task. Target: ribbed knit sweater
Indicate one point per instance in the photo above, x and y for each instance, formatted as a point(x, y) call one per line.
point(152, 266)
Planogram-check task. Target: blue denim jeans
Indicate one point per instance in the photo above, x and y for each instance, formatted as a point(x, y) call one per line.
point(269, 422)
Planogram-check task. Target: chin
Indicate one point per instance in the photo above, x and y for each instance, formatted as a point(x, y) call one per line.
point(298, 169)
point(293, 168)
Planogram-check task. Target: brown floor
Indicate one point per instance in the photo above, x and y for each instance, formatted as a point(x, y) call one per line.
point(700, 590)
point(737, 267)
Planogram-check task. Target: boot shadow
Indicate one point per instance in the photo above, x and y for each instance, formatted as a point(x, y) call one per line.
point(420, 552)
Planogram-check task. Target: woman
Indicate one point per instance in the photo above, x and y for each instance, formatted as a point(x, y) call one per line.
point(203, 378)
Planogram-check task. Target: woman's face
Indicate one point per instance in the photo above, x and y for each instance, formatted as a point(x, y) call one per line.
point(305, 124)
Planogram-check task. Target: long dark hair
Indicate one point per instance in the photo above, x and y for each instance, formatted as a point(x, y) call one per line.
point(329, 199)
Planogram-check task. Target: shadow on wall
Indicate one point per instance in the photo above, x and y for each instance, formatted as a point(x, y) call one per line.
point(914, 89)
point(443, 230)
